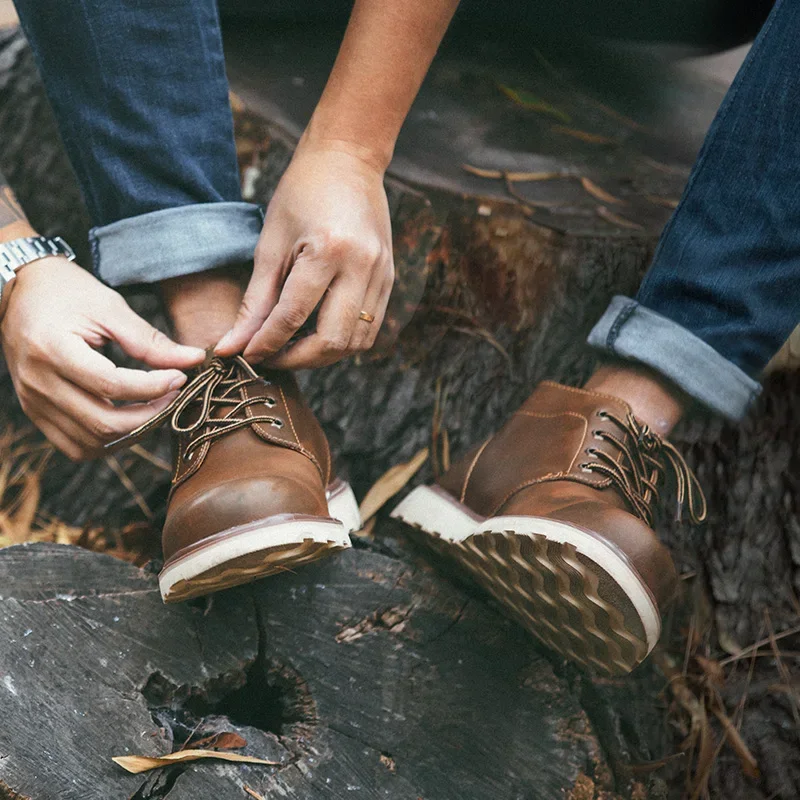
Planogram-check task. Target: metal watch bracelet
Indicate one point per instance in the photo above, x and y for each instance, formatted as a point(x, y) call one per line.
point(19, 252)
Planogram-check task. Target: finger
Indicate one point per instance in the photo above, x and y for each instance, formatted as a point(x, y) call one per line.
point(259, 299)
point(72, 450)
point(139, 339)
point(86, 367)
point(100, 420)
point(89, 444)
point(338, 316)
point(301, 293)
point(375, 302)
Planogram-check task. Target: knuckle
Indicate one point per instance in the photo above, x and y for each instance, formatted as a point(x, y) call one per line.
point(340, 245)
point(334, 343)
point(292, 317)
point(102, 429)
point(35, 346)
point(108, 386)
point(73, 453)
point(156, 338)
point(372, 250)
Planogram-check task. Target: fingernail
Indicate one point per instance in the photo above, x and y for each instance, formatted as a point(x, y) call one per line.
point(224, 341)
point(176, 383)
point(196, 352)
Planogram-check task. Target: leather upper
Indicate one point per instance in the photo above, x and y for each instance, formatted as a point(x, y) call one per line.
point(540, 463)
point(278, 464)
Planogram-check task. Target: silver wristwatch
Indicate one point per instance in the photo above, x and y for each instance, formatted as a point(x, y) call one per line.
point(19, 252)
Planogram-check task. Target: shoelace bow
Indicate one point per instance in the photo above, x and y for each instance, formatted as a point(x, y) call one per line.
point(644, 463)
point(215, 387)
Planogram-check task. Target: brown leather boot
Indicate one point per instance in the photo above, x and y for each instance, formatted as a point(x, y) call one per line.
point(554, 516)
point(252, 492)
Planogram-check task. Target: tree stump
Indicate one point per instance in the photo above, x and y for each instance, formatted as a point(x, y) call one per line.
point(498, 283)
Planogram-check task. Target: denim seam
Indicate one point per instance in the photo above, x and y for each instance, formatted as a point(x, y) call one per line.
point(613, 332)
point(94, 244)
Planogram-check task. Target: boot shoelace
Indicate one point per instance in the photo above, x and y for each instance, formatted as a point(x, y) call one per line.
point(643, 464)
point(217, 386)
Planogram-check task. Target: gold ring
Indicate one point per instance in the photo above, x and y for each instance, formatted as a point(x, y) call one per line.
point(367, 317)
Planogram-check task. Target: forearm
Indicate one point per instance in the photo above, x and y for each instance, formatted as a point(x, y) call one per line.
point(384, 57)
point(13, 222)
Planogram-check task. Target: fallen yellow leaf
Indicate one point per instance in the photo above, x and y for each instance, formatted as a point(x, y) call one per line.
point(137, 764)
point(527, 100)
point(389, 484)
point(667, 202)
point(616, 219)
point(584, 136)
point(516, 177)
point(598, 193)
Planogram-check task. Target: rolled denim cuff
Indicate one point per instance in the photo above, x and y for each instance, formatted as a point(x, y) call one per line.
point(175, 241)
point(631, 331)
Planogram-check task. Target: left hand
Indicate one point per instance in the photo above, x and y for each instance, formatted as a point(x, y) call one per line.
point(327, 237)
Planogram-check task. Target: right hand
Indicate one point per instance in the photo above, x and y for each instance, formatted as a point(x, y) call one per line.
point(56, 317)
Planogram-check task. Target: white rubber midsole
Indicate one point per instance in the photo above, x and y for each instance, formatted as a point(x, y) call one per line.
point(342, 505)
point(436, 512)
point(345, 518)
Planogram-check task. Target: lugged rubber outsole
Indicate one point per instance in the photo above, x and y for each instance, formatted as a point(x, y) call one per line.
point(253, 566)
point(573, 590)
point(260, 549)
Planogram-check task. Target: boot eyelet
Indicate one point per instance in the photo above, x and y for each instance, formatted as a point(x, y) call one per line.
point(584, 468)
point(591, 451)
point(602, 414)
point(598, 435)
point(276, 423)
point(270, 402)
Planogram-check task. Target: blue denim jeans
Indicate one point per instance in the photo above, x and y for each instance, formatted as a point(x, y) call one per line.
point(141, 96)
point(723, 291)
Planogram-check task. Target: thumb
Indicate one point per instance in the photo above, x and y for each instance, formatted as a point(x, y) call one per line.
point(257, 303)
point(139, 339)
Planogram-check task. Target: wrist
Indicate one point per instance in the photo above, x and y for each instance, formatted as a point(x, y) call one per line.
point(21, 229)
point(371, 151)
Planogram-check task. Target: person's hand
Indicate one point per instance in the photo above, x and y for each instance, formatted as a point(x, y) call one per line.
point(55, 318)
point(327, 236)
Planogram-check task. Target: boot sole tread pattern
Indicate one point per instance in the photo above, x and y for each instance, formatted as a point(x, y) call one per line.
point(251, 567)
point(559, 596)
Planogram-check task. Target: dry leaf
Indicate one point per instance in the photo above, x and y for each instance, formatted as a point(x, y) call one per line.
point(137, 764)
point(528, 101)
point(516, 177)
point(389, 484)
point(226, 740)
point(584, 136)
point(615, 219)
point(600, 194)
point(666, 202)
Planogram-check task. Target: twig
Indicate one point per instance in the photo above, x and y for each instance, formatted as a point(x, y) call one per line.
point(787, 678)
point(129, 485)
point(151, 457)
point(759, 644)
